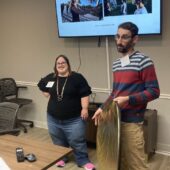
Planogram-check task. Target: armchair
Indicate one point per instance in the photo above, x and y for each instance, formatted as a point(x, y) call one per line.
point(8, 112)
point(9, 93)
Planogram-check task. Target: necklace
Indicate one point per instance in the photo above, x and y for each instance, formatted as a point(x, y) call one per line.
point(60, 96)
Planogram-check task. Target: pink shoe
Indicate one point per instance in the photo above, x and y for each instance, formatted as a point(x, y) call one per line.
point(60, 163)
point(89, 166)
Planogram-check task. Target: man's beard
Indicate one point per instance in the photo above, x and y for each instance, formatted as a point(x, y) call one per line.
point(124, 49)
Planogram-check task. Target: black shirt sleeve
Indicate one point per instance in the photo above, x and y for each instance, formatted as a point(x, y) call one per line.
point(84, 88)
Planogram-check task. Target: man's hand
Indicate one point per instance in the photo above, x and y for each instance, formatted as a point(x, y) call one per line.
point(97, 116)
point(121, 100)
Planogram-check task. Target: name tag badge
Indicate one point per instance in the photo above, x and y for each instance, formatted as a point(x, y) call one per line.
point(50, 84)
point(125, 61)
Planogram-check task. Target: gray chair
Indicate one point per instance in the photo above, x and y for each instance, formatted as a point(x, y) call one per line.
point(9, 92)
point(1, 91)
point(8, 114)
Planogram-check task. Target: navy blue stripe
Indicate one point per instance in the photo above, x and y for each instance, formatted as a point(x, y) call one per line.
point(131, 87)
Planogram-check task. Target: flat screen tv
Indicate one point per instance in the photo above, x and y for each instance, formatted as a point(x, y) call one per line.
point(84, 18)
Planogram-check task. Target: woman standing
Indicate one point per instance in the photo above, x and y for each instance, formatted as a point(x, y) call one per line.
point(124, 7)
point(67, 110)
point(75, 10)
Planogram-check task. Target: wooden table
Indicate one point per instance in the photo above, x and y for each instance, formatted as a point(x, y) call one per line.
point(47, 154)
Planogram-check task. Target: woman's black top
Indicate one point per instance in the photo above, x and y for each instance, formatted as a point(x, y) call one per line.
point(75, 16)
point(70, 106)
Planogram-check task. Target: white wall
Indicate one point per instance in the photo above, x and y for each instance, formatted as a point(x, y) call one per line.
point(29, 44)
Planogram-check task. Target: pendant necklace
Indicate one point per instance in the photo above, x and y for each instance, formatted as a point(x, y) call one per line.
point(60, 96)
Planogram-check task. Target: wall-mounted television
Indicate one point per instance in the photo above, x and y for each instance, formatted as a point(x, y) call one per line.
point(84, 18)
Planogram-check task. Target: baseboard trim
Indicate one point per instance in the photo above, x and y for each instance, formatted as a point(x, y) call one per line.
point(159, 151)
point(163, 152)
point(163, 149)
point(40, 124)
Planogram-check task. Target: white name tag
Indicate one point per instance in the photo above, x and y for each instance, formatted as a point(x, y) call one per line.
point(125, 61)
point(50, 84)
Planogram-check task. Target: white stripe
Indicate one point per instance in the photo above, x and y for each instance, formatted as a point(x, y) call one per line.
point(146, 65)
point(126, 68)
point(136, 63)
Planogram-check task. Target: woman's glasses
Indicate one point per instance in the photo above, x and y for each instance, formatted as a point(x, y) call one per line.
point(62, 63)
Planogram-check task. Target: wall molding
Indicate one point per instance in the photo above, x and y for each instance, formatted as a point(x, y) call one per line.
point(94, 89)
point(26, 83)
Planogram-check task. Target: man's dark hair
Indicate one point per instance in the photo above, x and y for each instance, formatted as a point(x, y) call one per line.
point(131, 27)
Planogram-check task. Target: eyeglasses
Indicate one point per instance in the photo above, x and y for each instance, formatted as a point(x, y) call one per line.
point(62, 63)
point(123, 37)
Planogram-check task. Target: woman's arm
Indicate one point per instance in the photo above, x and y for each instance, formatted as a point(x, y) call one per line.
point(46, 94)
point(84, 105)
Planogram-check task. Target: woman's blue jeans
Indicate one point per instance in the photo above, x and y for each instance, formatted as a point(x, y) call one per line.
point(70, 133)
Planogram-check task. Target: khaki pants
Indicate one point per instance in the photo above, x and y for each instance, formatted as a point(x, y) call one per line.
point(132, 154)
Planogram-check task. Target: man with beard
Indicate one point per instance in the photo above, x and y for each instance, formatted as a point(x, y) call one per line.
point(134, 85)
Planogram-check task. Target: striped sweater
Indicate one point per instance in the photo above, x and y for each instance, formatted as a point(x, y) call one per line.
point(138, 81)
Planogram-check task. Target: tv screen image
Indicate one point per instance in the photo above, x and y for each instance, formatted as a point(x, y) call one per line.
point(82, 18)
